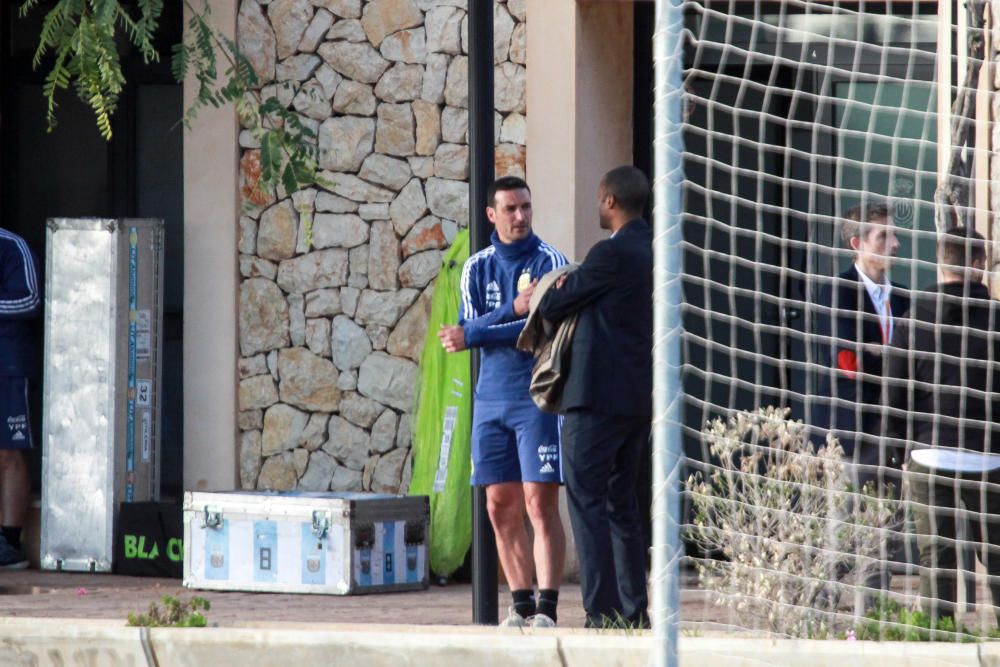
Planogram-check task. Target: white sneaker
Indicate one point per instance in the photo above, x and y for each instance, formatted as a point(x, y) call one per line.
point(513, 620)
point(541, 621)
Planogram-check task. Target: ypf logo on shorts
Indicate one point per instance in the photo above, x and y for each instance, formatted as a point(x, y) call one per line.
point(547, 454)
point(17, 424)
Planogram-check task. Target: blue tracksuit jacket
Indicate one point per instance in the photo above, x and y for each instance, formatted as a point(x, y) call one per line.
point(20, 300)
point(491, 279)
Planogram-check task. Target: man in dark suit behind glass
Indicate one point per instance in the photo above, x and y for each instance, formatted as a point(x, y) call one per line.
point(607, 400)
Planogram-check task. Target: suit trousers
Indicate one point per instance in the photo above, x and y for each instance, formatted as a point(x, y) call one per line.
point(602, 455)
point(938, 500)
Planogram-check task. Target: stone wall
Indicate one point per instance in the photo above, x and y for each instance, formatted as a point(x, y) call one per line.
point(331, 331)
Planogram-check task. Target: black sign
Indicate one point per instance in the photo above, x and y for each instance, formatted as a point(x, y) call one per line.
point(150, 540)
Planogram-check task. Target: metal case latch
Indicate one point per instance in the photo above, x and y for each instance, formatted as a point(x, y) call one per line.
point(320, 523)
point(213, 517)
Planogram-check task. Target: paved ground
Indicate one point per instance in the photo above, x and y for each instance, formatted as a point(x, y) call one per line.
point(69, 595)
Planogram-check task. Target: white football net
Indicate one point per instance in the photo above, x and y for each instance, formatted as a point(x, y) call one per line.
point(794, 113)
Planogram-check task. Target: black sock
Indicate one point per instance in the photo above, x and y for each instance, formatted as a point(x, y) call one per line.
point(524, 602)
point(548, 598)
point(13, 535)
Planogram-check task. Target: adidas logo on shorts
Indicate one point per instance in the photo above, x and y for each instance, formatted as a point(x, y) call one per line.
point(546, 469)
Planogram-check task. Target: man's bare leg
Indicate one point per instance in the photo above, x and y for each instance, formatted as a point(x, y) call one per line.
point(505, 503)
point(542, 502)
point(15, 489)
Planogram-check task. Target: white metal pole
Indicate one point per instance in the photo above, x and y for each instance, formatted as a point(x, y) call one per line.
point(668, 56)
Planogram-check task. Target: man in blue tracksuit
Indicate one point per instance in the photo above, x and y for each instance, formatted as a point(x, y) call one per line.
point(20, 301)
point(515, 446)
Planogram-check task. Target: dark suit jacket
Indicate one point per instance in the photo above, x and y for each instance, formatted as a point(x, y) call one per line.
point(611, 363)
point(850, 391)
point(942, 365)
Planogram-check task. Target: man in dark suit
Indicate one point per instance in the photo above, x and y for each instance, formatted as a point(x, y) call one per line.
point(607, 400)
point(856, 320)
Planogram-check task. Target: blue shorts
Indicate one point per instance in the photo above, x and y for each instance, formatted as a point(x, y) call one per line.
point(15, 426)
point(514, 441)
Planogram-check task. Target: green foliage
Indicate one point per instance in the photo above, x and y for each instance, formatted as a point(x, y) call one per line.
point(173, 614)
point(80, 36)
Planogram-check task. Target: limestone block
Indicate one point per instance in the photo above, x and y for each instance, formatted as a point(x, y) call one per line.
point(319, 474)
point(384, 17)
point(378, 335)
point(394, 134)
point(407, 339)
point(248, 236)
point(347, 31)
point(389, 472)
point(443, 26)
point(263, 317)
point(314, 434)
point(448, 199)
point(312, 101)
point(249, 459)
point(300, 459)
point(345, 9)
point(456, 91)
point(283, 425)
point(514, 129)
point(408, 207)
point(388, 380)
point(403, 437)
point(277, 231)
point(423, 167)
point(428, 118)
point(328, 203)
point(349, 300)
point(517, 9)
point(455, 125)
point(277, 474)
point(435, 77)
point(510, 83)
point(296, 319)
point(351, 187)
point(420, 269)
point(298, 68)
point(372, 212)
point(251, 366)
point(408, 46)
point(252, 191)
point(452, 161)
point(348, 381)
point(383, 257)
point(345, 479)
point(383, 436)
point(323, 303)
point(357, 61)
point(510, 160)
point(339, 230)
point(400, 83)
point(257, 392)
point(345, 142)
point(316, 270)
point(257, 41)
point(252, 266)
point(391, 172)
point(289, 18)
point(329, 79)
point(519, 44)
point(359, 266)
point(384, 308)
point(316, 31)
point(428, 234)
point(318, 336)
point(359, 410)
point(250, 420)
point(354, 98)
point(347, 443)
point(503, 28)
point(349, 345)
point(307, 380)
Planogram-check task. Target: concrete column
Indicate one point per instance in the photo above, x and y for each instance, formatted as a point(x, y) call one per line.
point(579, 113)
point(211, 215)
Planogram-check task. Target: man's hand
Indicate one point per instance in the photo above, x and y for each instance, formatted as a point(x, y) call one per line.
point(560, 281)
point(452, 338)
point(522, 303)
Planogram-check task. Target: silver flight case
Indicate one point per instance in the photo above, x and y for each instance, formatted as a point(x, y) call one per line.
point(100, 413)
point(300, 542)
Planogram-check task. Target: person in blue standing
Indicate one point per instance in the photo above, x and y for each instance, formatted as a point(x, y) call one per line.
point(515, 446)
point(20, 301)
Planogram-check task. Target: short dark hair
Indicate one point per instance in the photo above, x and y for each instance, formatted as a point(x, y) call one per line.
point(504, 183)
point(959, 247)
point(855, 222)
point(629, 186)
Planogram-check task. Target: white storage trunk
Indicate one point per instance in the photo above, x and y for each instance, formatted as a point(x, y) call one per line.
point(100, 412)
point(299, 542)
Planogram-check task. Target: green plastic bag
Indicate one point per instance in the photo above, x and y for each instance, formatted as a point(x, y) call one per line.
point(442, 455)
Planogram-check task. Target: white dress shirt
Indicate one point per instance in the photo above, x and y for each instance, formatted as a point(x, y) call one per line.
point(879, 294)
